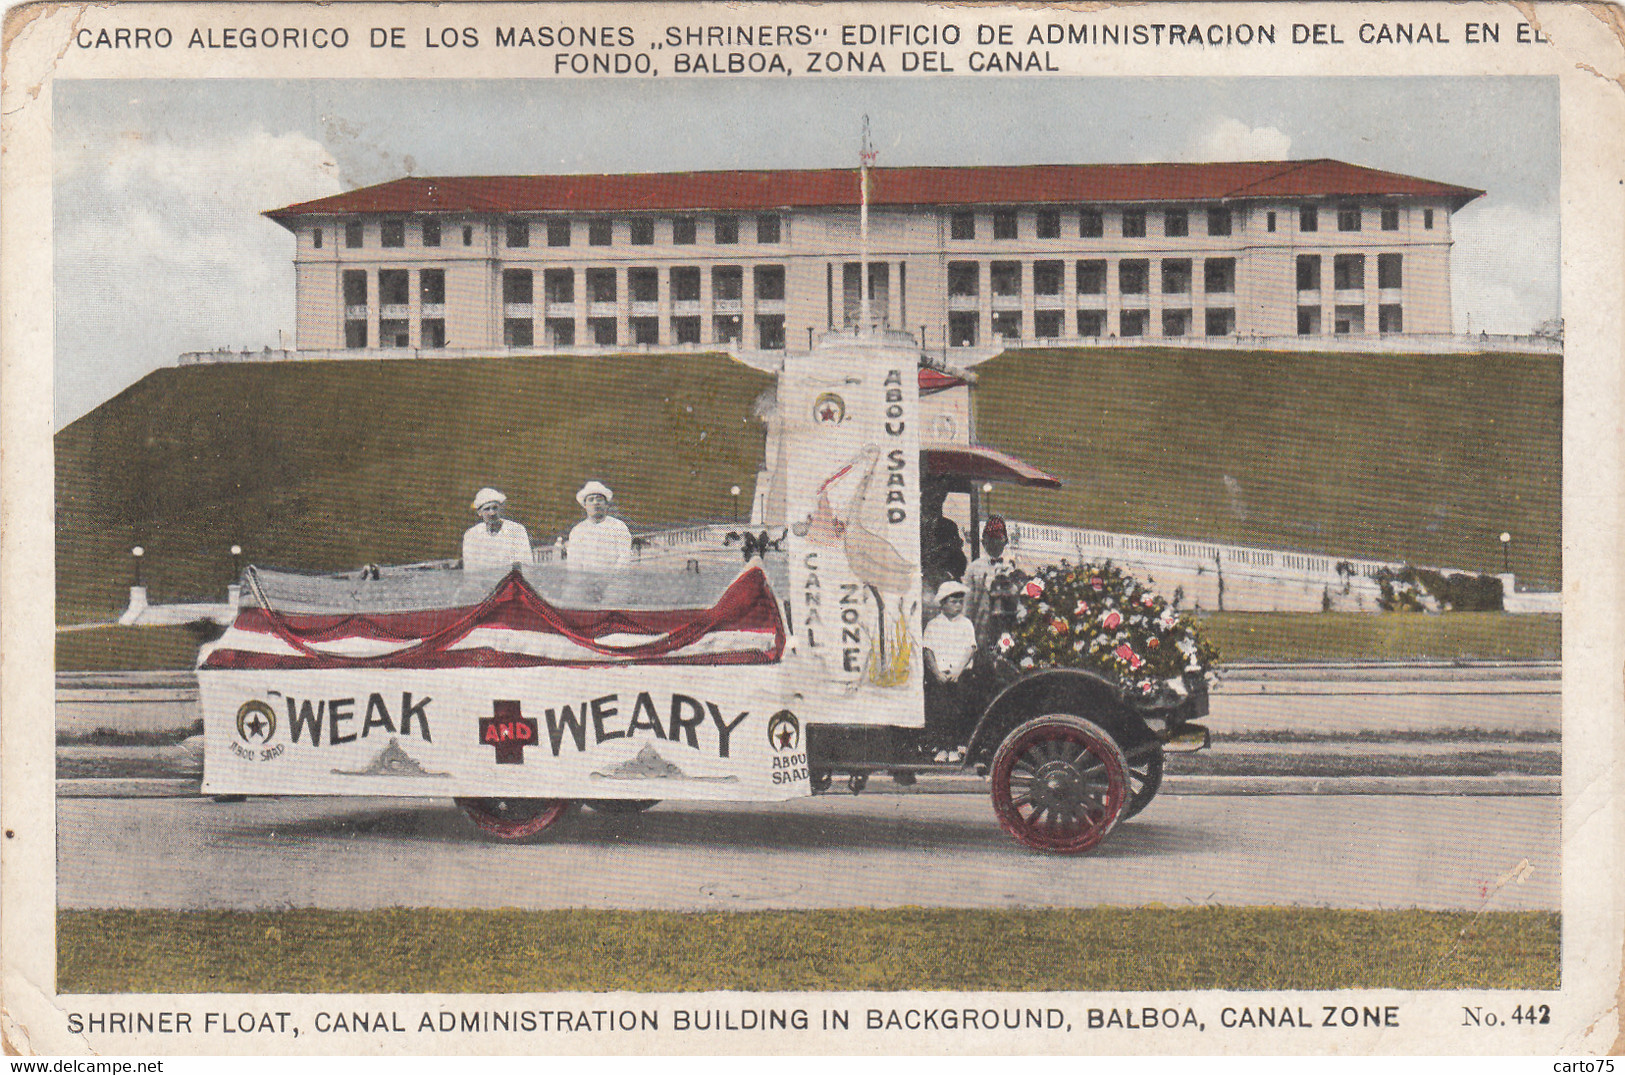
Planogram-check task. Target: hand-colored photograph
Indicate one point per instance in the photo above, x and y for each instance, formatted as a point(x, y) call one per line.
point(1078, 534)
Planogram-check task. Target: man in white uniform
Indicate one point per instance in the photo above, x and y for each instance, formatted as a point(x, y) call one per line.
point(950, 648)
point(494, 543)
point(600, 542)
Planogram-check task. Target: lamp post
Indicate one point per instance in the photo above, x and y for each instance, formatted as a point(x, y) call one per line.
point(138, 552)
point(236, 562)
point(733, 491)
point(1506, 552)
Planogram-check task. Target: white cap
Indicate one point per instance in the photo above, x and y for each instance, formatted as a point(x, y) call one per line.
point(487, 496)
point(950, 589)
point(593, 487)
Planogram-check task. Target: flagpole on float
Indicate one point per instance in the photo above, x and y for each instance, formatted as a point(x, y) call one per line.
point(866, 156)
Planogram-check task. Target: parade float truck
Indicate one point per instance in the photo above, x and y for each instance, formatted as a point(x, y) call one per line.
point(523, 693)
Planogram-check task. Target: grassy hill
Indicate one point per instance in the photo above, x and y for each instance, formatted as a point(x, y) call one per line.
point(1426, 458)
point(326, 465)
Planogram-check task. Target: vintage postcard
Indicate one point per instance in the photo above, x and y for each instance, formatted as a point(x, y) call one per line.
point(845, 528)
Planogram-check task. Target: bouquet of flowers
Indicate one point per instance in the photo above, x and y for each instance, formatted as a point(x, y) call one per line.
point(1098, 617)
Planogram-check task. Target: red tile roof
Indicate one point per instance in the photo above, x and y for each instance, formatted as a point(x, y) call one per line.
point(1013, 184)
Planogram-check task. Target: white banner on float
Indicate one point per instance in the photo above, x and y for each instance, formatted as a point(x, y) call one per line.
point(642, 732)
point(850, 413)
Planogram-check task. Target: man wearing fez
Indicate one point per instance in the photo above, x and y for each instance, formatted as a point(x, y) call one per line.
point(991, 580)
point(600, 542)
point(494, 542)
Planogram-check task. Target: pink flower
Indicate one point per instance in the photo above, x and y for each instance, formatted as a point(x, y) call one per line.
point(1126, 652)
point(1005, 641)
point(1148, 601)
point(1153, 643)
point(1111, 621)
point(1033, 588)
point(1096, 584)
point(1083, 607)
point(1060, 625)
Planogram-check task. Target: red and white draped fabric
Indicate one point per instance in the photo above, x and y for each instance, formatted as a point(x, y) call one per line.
point(514, 627)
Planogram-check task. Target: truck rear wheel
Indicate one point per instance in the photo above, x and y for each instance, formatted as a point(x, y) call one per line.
point(1060, 783)
point(513, 819)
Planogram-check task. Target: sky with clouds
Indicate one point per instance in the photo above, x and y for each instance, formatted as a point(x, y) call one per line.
point(159, 185)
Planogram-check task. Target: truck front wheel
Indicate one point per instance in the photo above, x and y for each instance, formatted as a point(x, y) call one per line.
point(1060, 783)
point(513, 819)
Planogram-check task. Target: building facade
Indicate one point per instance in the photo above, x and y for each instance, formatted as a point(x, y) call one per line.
point(965, 258)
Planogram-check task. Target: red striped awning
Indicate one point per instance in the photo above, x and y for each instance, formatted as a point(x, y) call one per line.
point(980, 463)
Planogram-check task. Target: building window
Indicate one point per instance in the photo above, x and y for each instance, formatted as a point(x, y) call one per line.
point(962, 328)
point(963, 279)
point(1349, 321)
point(1309, 321)
point(1004, 224)
point(1048, 277)
point(517, 233)
point(432, 331)
point(770, 332)
point(685, 287)
point(1269, 220)
point(1348, 218)
point(769, 284)
point(518, 332)
point(645, 331)
point(1049, 224)
point(1308, 272)
point(727, 284)
point(558, 232)
point(1219, 276)
point(1133, 322)
point(1176, 223)
point(962, 226)
point(316, 238)
point(1047, 324)
point(432, 287)
point(1389, 273)
point(643, 231)
point(1390, 318)
point(644, 286)
point(726, 230)
point(1007, 325)
point(393, 287)
point(600, 231)
point(1390, 218)
point(392, 233)
point(561, 331)
point(1176, 322)
point(1091, 322)
point(1091, 223)
point(767, 228)
point(352, 234)
point(1218, 220)
point(1220, 322)
point(1308, 218)
point(685, 330)
point(394, 332)
point(603, 330)
point(726, 327)
point(430, 230)
point(468, 235)
point(601, 285)
point(355, 334)
point(1134, 223)
point(559, 285)
point(355, 292)
point(1427, 219)
point(683, 230)
point(1176, 276)
point(1348, 272)
point(1133, 276)
point(1005, 279)
point(517, 287)
point(1092, 277)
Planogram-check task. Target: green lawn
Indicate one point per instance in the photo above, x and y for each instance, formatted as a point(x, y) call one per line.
point(121, 649)
point(1356, 636)
point(329, 465)
point(416, 951)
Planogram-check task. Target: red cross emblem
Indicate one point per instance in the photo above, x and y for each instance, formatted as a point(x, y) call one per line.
point(508, 731)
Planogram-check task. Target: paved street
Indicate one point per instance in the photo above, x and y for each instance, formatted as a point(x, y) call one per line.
point(874, 850)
